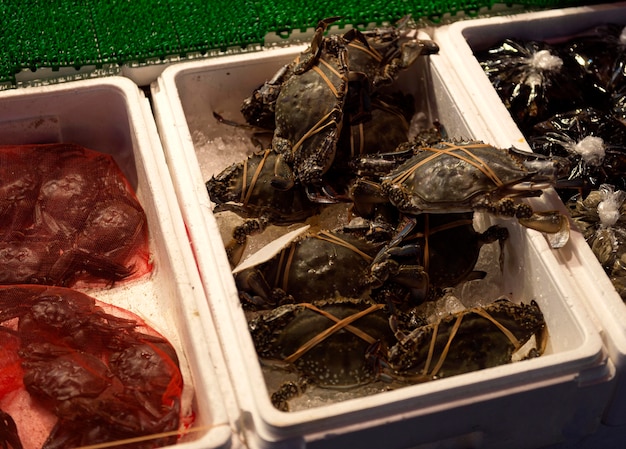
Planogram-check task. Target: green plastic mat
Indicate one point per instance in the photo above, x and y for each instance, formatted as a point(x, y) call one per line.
point(56, 34)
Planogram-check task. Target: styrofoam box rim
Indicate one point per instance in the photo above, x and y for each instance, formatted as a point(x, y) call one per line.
point(225, 304)
point(602, 300)
point(196, 318)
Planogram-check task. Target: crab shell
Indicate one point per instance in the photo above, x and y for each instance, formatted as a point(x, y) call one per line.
point(309, 114)
point(461, 177)
point(316, 266)
point(451, 247)
point(247, 189)
point(474, 339)
point(336, 359)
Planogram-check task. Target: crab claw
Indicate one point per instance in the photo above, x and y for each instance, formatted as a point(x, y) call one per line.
point(554, 224)
point(410, 52)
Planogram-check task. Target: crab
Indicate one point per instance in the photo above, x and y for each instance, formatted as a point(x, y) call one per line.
point(443, 248)
point(332, 343)
point(313, 267)
point(248, 189)
point(382, 53)
point(103, 376)
point(309, 110)
point(375, 59)
point(465, 176)
point(327, 78)
point(477, 338)
point(387, 127)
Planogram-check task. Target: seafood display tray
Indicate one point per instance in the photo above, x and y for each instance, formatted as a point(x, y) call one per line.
point(113, 116)
point(557, 397)
point(458, 41)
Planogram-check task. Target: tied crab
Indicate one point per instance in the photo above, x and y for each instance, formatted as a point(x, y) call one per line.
point(331, 344)
point(466, 176)
point(247, 188)
point(457, 343)
point(345, 343)
point(69, 215)
point(442, 248)
point(331, 79)
point(104, 376)
point(312, 267)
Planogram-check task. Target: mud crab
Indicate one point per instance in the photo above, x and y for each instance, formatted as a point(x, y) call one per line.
point(105, 377)
point(465, 176)
point(314, 267)
point(387, 128)
point(71, 217)
point(375, 58)
point(331, 343)
point(474, 339)
point(443, 248)
point(310, 108)
point(248, 189)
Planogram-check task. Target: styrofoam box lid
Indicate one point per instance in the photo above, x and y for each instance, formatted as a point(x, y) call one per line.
point(493, 406)
point(458, 42)
point(113, 116)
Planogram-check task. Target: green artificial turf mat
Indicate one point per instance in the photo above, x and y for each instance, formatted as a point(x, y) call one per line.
point(56, 34)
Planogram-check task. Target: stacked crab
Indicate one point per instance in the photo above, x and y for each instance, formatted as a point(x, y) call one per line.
point(377, 230)
point(75, 371)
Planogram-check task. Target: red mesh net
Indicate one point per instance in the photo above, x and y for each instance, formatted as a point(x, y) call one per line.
point(67, 216)
point(75, 372)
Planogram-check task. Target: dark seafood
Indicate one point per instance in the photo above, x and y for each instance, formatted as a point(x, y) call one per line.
point(458, 343)
point(248, 189)
point(344, 343)
point(425, 244)
point(309, 110)
point(534, 79)
point(593, 142)
point(105, 377)
point(71, 218)
point(387, 128)
point(453, 177)
point(331, 343)
point(601, 217)
point(375, 59)
point(315, 267)
point(578, 105)
point(601, 54)
point(342, 309)
point(333, 77)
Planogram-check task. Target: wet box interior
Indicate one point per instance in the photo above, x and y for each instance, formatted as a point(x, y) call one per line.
point(503, 402)
point(459, 41)
point(112, 116)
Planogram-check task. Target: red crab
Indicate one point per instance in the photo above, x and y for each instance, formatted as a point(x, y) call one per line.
point(75, 374)
point(68, 215)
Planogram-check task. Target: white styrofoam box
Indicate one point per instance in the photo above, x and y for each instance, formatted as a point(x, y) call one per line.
point(458, 41)
point(553, 398)
point(113, 116)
